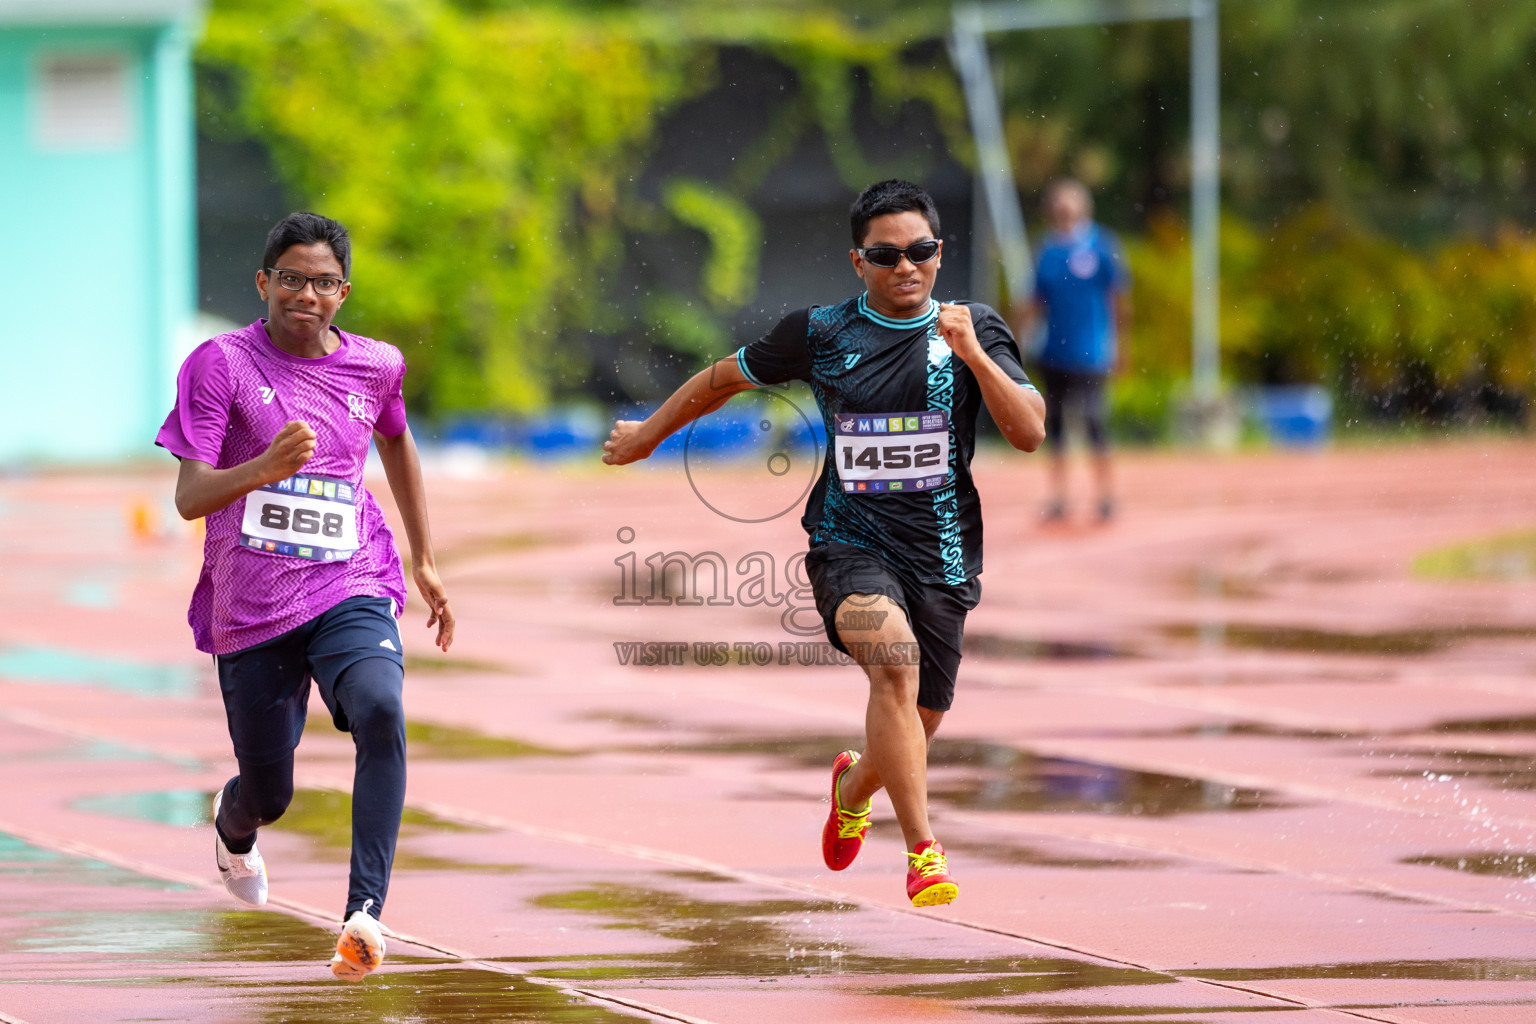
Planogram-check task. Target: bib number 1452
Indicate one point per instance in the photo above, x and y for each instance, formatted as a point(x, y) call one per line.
point(892, 456)
point(892, 452)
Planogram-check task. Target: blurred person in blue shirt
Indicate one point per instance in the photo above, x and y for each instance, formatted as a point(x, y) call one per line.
point(1082, 291)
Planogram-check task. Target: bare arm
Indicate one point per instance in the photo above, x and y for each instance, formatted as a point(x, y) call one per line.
point(201, 489)
point(704, 392)
point(1018, 411)
point(402, 468)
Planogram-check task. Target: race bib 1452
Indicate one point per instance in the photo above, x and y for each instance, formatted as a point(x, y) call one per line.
point(312, 517)
point(892, 452)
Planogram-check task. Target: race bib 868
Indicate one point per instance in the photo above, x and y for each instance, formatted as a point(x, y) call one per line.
point(313, 517)
point(892, 451)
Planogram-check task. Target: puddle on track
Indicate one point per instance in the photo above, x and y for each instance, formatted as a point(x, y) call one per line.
point(1517, 725)
point(186, 947)
point(196, 948)
point(767, 938)
point(23, 861)
point(434, 741)
point(325, 816)
point(1502, 772)
point(429, 740)
point(1414, 970)
point(435, 663)
point(1005, 851)
point(75, 751)
point(995, 777)
point(1303, 640)
point(627, 720)
point(1030, 784)
point(179, 935)
point(183, 946)
point(1013, 648)
point(439, 995)
point(1505, 864)
point(1508, 557)
point(54, 665)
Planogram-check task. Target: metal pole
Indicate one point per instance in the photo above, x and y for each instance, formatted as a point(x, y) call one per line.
point(1025, 15)
point(995, 169)
point(1205, 199)
point(983, 250)
point(968, 49)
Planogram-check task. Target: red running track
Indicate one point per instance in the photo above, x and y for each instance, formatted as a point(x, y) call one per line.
point(1227, 760)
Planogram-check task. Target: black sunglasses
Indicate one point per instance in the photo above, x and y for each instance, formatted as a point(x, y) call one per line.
point(890, 256)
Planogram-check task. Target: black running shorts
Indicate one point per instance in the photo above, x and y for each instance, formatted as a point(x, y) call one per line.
point(1066, 391)
point(935, 611)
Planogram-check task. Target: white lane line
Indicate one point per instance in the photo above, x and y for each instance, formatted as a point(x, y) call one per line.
point(1095, 834)
point(310, 914)
point(631, 851)
point(666, 857)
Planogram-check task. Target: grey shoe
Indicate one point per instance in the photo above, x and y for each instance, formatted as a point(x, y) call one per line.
point(243, 874)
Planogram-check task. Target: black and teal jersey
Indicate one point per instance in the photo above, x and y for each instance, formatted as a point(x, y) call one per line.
point(892, 482)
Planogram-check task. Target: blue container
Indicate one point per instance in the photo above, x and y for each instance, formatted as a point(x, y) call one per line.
point(483, 432)
point(723, 432)
point(1296, 415)
point(562, 433)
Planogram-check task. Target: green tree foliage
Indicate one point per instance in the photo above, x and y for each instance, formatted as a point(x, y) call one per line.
point(486, 156)
point(1415, 115)
point(1376, 159)
point(479, 161)
point(1388, 328)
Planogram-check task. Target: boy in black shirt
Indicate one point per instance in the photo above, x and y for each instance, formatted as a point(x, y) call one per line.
point(894, 520)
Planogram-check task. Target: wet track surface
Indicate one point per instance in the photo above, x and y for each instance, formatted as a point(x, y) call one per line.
point(1232, 759)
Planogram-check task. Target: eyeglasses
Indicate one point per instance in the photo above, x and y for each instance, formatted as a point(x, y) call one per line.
point(294, 281)
point(889, 256)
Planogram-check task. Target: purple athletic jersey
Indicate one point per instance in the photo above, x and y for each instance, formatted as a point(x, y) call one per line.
point(233, 394)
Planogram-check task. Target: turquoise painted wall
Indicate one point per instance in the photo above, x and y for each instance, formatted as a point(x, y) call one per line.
point(97, 273)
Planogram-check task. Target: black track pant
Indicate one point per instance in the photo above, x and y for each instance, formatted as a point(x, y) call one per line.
point(266, 694)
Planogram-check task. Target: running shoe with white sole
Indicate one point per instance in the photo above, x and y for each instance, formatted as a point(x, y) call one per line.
point(360, 948)
point(929, 883)
point(244, 874)
point(842, 837)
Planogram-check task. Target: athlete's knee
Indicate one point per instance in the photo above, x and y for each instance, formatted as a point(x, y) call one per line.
point(266, 796)
point(373, 702)
point(377, 714)
point(893, 682)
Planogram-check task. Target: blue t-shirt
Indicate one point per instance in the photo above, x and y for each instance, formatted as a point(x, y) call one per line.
point(1075, 277)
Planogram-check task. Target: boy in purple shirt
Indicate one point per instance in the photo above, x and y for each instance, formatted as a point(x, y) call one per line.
point(301, 578)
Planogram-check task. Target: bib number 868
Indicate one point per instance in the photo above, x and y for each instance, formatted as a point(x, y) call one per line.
point(304, 520)
point(892, 456)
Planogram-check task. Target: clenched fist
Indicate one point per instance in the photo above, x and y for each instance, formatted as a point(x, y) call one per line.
point(626, 443)
point(957, 330)
point(293, 446)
